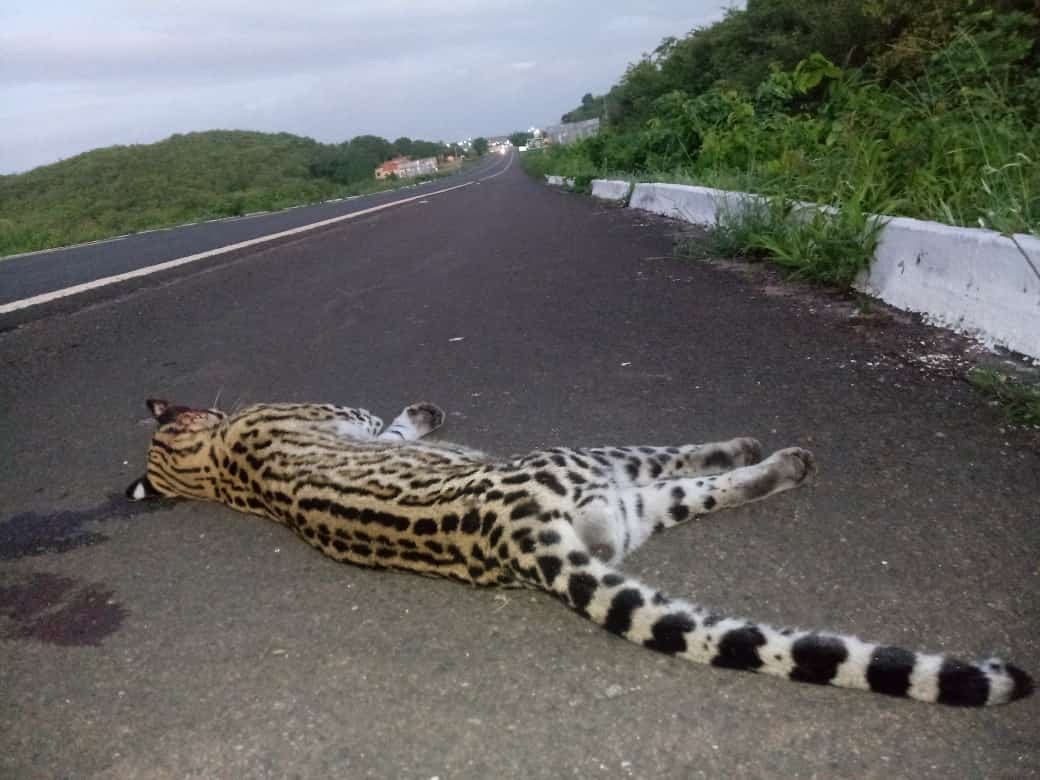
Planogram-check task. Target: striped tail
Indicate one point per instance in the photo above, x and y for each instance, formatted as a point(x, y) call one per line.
point(642, 615)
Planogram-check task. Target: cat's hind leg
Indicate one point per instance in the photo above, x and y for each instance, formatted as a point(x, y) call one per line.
point(614, 520)
point(645, 465)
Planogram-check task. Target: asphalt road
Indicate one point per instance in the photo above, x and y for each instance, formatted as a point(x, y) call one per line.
point(191, 641)
point(24, 276)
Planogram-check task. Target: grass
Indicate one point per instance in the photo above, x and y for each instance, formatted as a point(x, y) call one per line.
point(815, 245)
point(542, 162)
point(1019, 401)
point(734, 235)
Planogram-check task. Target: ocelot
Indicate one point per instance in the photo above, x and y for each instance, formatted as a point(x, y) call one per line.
point(558, 520)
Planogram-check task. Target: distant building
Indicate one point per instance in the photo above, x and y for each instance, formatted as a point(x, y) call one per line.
point(389, 168)
point(404, 168)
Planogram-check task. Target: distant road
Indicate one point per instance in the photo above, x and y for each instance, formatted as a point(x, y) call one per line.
point(29, 275)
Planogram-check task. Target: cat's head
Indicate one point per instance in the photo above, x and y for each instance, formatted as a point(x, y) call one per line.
point(180, 457)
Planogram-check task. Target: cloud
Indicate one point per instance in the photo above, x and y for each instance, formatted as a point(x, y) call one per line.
point(75, 76)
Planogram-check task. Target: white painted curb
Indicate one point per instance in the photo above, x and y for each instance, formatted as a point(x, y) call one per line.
point(608, 189)
point(976, 282)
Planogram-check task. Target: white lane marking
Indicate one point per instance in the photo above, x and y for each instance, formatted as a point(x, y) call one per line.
point(508, 166)
point(159, 229)
point(54, 295)
point(200, 222)
point(76, 246)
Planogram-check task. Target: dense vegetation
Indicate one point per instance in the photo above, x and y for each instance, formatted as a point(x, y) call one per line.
point(591, 107)
point(123, 189)
point(927, 108)
point(520, 138)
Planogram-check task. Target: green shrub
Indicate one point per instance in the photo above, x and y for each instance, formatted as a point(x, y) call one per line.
point(827, 248)
point(947, 131)
point(821, 246)
point(735, 234)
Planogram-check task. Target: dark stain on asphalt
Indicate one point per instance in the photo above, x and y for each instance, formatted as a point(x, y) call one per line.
point(37, 533)
point(58, 610)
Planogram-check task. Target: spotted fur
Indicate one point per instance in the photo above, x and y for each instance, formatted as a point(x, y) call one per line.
point(558, 520)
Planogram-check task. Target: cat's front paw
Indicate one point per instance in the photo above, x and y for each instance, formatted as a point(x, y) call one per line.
point(793, 466)
point(747, 451)
point(425, 416)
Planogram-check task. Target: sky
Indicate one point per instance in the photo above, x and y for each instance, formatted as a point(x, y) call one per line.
point(79, 74)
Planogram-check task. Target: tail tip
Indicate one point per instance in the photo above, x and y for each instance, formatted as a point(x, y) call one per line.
point(1023, 684)
point(982, 684)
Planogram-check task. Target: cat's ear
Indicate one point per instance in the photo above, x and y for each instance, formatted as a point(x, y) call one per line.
point(157, 407)
point(141, 489)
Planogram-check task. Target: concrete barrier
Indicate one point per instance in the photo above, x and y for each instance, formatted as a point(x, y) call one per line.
point(973, 281)
point(697, 205)
point(559, 181)
point(976, 282)
point(609, 189)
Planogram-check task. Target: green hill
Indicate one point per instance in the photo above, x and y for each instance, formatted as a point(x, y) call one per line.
point(124, 189)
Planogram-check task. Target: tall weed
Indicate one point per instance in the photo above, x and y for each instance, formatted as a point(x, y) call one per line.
point(824, 246)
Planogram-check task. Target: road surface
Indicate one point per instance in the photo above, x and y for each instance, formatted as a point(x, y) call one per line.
point(31, 274)
point(190, 641)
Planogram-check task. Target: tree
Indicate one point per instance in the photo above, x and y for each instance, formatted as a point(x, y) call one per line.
point(519, 138)
point(426, 149)
point(363, 154)
point(403, 146)
point(480, 146)
point(591, 107)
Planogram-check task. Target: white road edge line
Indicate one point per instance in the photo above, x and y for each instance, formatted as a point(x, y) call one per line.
point(54, 295)
point(204, 222)
point(109, 240)
point(509, 165)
